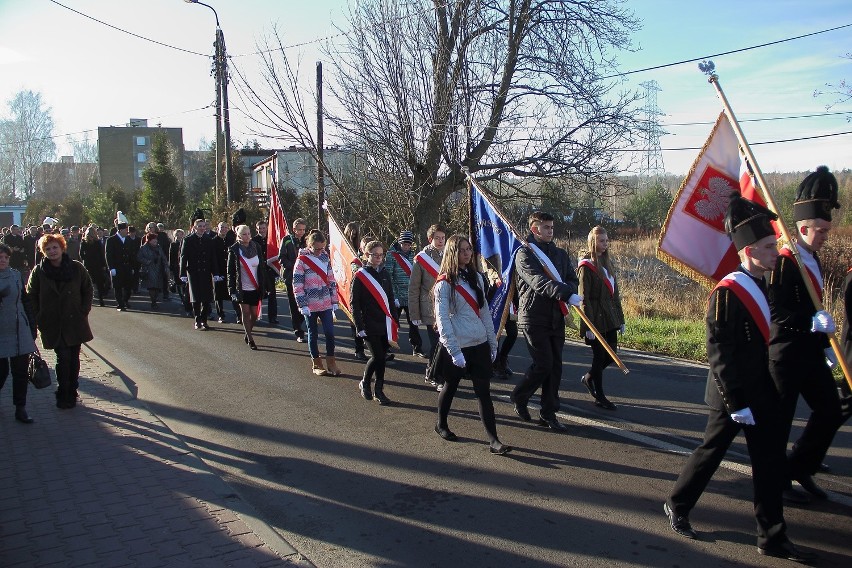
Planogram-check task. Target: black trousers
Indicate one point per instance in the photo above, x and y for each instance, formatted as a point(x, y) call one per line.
point(18, 366)
point(413, 333)
point(67, 371)
point(766, 449)
point(545, 372)
point(376, 363)
point(122, 295)
point(478, 368)
point(296, 317)
point(508, 342)
point(201, 310)
point(601, 359)
point(272, 303)
point(435, 343)
point(816, 385)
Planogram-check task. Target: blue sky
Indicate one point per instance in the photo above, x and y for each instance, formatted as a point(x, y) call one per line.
point(93, 76)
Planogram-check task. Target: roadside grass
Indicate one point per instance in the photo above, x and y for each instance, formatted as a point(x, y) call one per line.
point(681, 338)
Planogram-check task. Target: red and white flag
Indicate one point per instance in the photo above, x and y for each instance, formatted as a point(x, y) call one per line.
point(693, 239)
point(342, 256)
point(277, 228)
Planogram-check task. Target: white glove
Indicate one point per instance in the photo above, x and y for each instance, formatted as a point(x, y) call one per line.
point(416, 323)
point(590, 335)
point(743, 416)
point(217, 279)
point(493, 356)
point(621, 331)
point(183, 279)
point(458, 360)
point(831, 358)
point(362, 333)
point(112, 272)
point(575, 299)
point(823, 323)
point(334, 307)
point(396, 302)
point(306, 311)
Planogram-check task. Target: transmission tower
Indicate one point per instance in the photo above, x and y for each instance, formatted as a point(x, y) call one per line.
point(652, 161)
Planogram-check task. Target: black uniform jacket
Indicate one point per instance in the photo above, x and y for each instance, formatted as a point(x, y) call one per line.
point(369, 315)
point(792, 311)
point(288, 254)
point(538, 293)
point(199, 263)
point(738, 356)
point(235, 269)
point(120, 257)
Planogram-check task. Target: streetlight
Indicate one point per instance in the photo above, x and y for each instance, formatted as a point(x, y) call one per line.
point(222, 111)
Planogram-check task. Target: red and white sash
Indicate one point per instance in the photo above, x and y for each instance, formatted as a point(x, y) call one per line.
point(248, 271)
point(403, 262)
point(608, 280)
point(551, 271)
point(752, 297)
point(464, 290)
point(428, 264)
point(381, 298)
point(811, 266)
point(319, 267)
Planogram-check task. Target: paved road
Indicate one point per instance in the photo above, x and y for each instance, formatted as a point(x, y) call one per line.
point(349, 483)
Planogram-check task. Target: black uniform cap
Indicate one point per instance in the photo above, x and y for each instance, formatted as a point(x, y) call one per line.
point(816, 196)
point(239, 217)
point(199, 214)
point(746, 222)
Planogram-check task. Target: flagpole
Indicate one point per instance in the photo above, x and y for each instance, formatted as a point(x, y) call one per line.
point(785, 234)
point(582, 315)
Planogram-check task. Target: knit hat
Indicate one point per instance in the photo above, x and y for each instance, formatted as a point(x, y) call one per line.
point(406, 237)
point(746, 222)
point(816, 196)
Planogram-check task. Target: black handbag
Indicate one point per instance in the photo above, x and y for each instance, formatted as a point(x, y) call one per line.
point(38, 371)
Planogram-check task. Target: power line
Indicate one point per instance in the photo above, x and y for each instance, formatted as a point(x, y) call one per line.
point(724, 53)
point(770, 118)
point(129, 33)
point(830, 135)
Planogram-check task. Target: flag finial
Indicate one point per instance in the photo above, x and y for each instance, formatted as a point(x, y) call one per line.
point(708, 68)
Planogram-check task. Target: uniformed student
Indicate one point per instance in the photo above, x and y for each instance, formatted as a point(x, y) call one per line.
point(799, 346)
point(740, 391)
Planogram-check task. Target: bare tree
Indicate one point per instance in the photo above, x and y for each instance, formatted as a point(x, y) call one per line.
point(508, 89)
point(841, 91)
point(26, 141)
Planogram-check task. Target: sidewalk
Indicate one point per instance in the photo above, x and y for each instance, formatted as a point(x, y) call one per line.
point(107, 484)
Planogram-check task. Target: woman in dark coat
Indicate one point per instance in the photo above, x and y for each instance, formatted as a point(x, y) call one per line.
point(153, 267)
point(371, 317)
point(61, 293)
point(245, 278)
point(94, 259)
point(17, 334)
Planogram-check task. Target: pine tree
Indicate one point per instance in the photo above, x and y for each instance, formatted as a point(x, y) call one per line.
point(163, 197)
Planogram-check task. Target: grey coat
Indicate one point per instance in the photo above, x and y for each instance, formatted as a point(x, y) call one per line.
point(16, 336)
point(154, 267)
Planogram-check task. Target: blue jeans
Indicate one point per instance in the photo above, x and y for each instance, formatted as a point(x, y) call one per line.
point(327, 319)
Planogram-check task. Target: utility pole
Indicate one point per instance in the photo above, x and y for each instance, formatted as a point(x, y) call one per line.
point(320, 169)
point(226, 117)
point(217, 74)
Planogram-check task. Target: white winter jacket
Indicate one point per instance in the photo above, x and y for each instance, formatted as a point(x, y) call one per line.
point(459, 325)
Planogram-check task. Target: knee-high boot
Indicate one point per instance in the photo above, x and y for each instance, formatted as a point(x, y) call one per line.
point(379, 393)
point(364, 387)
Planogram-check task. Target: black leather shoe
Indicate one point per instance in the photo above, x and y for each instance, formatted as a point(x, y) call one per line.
point(221, 319)
point(604, 402)
point(789, 551)
point(390, 357)
point(552, 423)
point(445, 434)
point(204, 326)
point(418, 353)
point(361, 356)
point(795, 497)
point(498, 448)
point(589, 386)
point(22, 416)
point(366, 392)
point(273, 321)
point(680, 524)
point(808, 484)
point(522, 412)
point(198, 326)
point(381, 398)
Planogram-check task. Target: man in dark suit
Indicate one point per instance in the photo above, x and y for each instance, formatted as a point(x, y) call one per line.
point(120, 259)
point(799, 346)
point(740, 391)
point(198, 268)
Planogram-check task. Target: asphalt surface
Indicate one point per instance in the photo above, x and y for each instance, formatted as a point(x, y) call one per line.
point(349, 483)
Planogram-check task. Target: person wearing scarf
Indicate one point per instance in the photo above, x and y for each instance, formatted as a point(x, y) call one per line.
point(245, 279)
point(60, 290)
point(466, 334)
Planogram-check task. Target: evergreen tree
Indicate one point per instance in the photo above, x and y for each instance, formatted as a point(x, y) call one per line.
point(163, 197)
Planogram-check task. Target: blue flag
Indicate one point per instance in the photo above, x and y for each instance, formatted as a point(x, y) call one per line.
point(497, 243)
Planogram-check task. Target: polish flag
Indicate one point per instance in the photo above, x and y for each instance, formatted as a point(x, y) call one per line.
point(693, 238)
point(342, 255)
point(277, 229)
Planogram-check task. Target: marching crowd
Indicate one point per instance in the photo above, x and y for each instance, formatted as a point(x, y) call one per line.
point(767, 344)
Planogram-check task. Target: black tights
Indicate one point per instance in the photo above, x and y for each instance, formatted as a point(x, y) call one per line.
point(601, 360)
point(482, 388)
